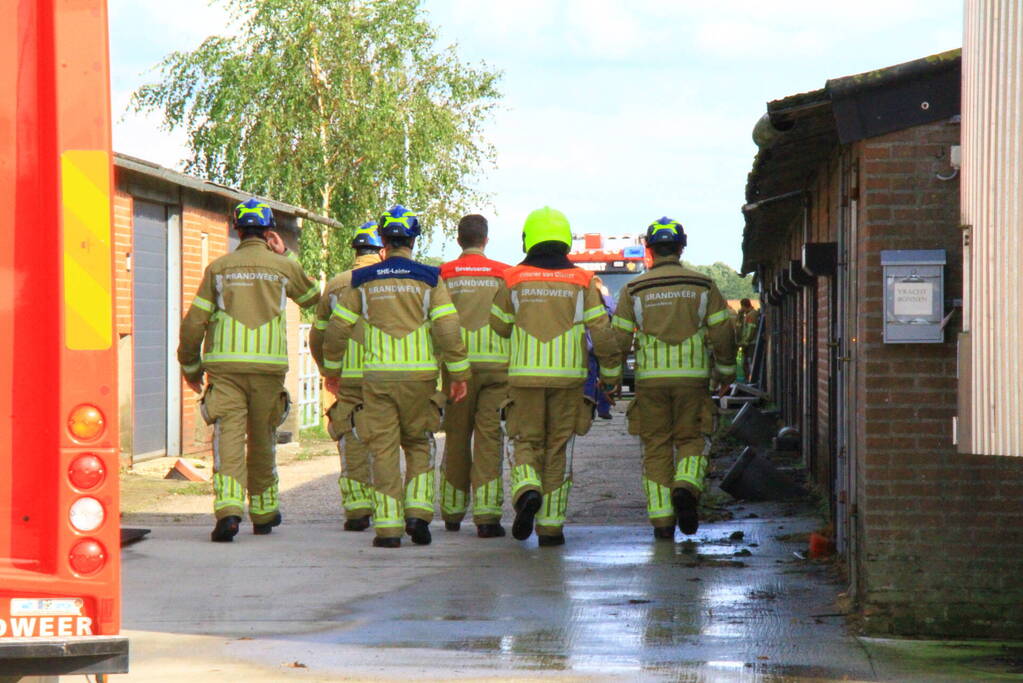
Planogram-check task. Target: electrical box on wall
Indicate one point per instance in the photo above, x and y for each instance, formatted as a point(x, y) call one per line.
point(914, 296)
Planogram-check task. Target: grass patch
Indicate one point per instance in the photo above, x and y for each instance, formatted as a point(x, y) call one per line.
point(317, 433)
point(194, 488)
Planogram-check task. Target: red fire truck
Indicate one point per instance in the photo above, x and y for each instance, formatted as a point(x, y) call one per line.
point(59, 527)
point(616, 259)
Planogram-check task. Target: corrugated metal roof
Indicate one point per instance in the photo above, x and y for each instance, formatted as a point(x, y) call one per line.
point(153, 170)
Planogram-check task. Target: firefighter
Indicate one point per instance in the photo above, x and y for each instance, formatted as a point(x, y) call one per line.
point(673, 313)
point(240, 313)
point(545, 306)
point(745, 332)
point(345, 423)
point(406, 312)
point(472, 428)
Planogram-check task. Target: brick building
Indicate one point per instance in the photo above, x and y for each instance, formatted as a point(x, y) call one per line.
point(167, 227)
point(859, 172)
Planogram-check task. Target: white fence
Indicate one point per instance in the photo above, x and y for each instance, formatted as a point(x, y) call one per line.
point(308, 382)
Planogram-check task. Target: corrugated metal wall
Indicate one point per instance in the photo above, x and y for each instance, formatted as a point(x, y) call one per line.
point(992, 206)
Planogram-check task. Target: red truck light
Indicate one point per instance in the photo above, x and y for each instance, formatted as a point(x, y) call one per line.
point(87, 557)
point(86, 423)
point(86, 472)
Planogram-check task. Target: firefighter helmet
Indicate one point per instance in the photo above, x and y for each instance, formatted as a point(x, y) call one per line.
point(398, 221)
point(366, 237)
point(546, 225)
point(253, 213)
point(665, 230)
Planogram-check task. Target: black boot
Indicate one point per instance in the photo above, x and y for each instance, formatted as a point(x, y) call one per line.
point(357, 523)
point(687, 510)
point(548, 541)
point(419, 530)
point(489, 530)
point(267, 527)
point(226, 529)
point(526, 508)
point(386, 542)
point(452, 526)
point(664, 533)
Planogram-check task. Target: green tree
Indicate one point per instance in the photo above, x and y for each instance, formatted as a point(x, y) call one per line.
point(731, 284)
point(341, 106)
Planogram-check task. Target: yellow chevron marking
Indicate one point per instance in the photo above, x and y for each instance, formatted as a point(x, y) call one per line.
point(88, 298)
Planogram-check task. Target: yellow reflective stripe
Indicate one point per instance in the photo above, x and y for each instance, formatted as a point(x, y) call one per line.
point(594, 313)
point(692, 470)
point(610, 372)
point(202, 303)
point(355, 495)
point(331, 364)
point(522, 476)
point(321, 324)
point(245, 358)
point(548, 372)
point(345, 314)
point(623, 324)
point(309, 294)
point(554, 506)
point(85, 214)
point(458, 365)
point(419, 492)
point(228, 492)
point(658, 500)
point(672, 372)
point(725, 369)
point(442, 311)
point(453, 501)
point(496, 311)
point(715, 318)
point(488, 498)
point(387, 512)
point(264, 503)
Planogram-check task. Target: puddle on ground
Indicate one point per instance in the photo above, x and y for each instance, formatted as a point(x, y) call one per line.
point(614, 602)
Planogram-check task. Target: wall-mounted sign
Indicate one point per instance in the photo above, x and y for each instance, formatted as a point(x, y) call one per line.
point(914, 297)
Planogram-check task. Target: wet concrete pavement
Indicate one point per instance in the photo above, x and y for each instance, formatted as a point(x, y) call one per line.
point(610, 603)
point(312, 602)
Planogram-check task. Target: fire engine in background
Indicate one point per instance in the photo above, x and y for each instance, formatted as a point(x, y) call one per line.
point(59, 515)
point(616, 260)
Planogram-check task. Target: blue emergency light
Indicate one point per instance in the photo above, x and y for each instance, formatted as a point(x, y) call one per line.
point(634, 251)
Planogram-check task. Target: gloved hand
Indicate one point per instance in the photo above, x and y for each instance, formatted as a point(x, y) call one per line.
point(332, 384)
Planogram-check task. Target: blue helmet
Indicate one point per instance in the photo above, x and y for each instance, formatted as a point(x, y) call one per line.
point(253, 213)
point(366, 237)
point(398, 221)
point(665, 230)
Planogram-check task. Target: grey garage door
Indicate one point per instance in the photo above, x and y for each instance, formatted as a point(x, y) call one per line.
point(149, 428)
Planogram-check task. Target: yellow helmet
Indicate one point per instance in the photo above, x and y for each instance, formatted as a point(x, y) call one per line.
point(546, 225)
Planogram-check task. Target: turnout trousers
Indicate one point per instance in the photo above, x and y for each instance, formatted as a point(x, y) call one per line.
point(472, 450)
point(401, 416)
point(245, 410)
point(347, 425)
point(674, 424)
point(541, 425)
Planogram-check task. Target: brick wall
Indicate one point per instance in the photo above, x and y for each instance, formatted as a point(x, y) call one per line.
point(941, 535)
point(196, 222)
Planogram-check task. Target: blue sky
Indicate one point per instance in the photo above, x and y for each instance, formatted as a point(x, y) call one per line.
point(615, 112)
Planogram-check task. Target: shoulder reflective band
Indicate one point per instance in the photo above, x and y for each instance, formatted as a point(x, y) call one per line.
point(85, 209)
point(346, 315)
point(501, 315)
point(623, 324)
point(594, 313)
point(440, 311)
point(309, 294)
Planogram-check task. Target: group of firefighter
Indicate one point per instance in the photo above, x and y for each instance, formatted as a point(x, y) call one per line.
point(511, 347)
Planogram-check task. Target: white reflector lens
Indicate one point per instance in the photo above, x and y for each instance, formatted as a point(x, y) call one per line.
point(86, 514)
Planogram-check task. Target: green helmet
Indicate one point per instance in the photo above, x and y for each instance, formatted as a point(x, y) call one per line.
point(546, 225)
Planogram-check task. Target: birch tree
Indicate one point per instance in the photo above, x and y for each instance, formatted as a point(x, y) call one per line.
point(340, 106)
